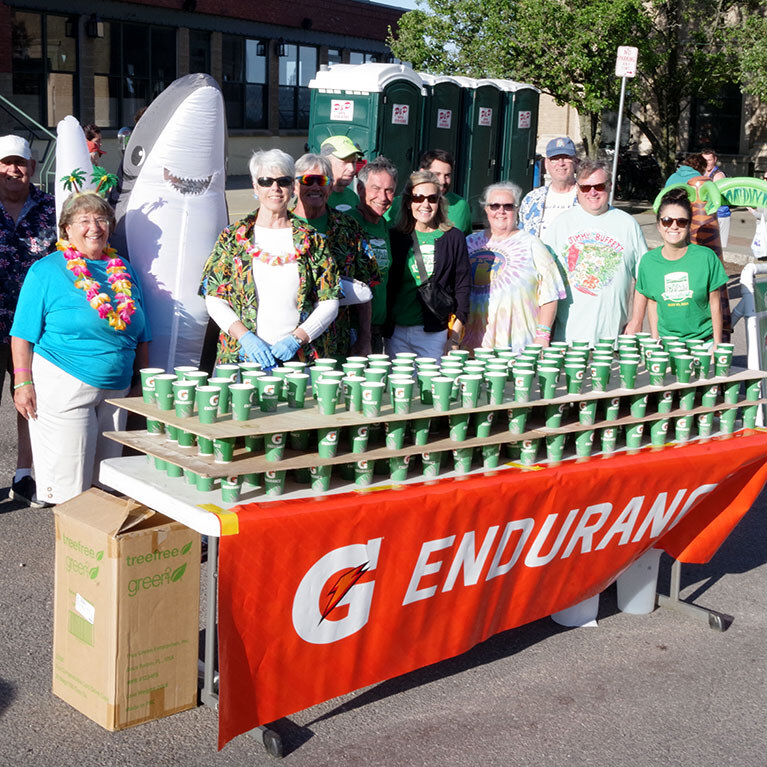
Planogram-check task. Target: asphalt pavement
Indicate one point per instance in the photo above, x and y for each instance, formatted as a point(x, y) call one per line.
point(649, 690)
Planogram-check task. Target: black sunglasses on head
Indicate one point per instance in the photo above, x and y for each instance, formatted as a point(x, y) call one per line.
point(267, 181)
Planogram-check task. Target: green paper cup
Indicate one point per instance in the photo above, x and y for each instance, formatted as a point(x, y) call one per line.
point(377, 375)
point(147, 383)
point(378, 357)
point(470, 386)
point(204, 446)
point(731, 392)
point(274, 446)
point(405, 356)
point(523, 384)
point(657, 369)
point(204, 484)
point(683, 367)
point(555, 447)
point(353, 368)
point(608, 438)
point(274, 483)
point(587, 410)
point(442, 389)
point(223, 450)
point(320, 478)
point(462, 458)
point(710, 396)
point(296, 367)
point(702, 363)
point(600, 375)
point(171, 433)
point(584, 443)
point(297, 440)
point(251, 377)
point(547, 380)
point(483, 423)
point(230, 489)
point(330, 362)
point(186, 438)
point(459, 427)
point(242, 399)
point(421, 431)
point(518, 419)
point(554, 415)
point(628, 372)
point(251, 478)
point(402, 393)
point(727, 420)
point(359, 438)
point(722, 360)
point(363, 473)
point(198, 377)
point(682, 428)
point(659, 432)
point(372, 396)
point(496, 384)
point(281, 372)
point(425, 361)
point(574, 372)
point(230, 372)
point(327, 441)
point(430, 463)
point(248, 367)
point(491, 455)
point(296, 384)
point(665, 402)
point(634, 434)
point(705, 422)
point(315, 372)
point(395, 434)
point(687, 399)
point(453, 374)
point(173, 471)
point(160, 464)
point(269, 393)
point(612, 408)
point(154, 427)
point(222, 384)
point(352, 389)
point(753, 392)
point(163, 389)
point(398, 467)
point(207, 403)
point(638, 405)
point(528, 449)
point(425, 377)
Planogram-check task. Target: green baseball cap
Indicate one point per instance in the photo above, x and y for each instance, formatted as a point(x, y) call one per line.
point(341, 147)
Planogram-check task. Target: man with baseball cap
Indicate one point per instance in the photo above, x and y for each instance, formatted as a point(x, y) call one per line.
point(541, 206)
point(27, 233)
point(343, 154)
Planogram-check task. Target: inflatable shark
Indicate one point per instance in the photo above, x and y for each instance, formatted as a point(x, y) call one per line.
point(171, 209)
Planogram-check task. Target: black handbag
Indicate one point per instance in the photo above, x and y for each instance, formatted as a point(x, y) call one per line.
point(436, 299)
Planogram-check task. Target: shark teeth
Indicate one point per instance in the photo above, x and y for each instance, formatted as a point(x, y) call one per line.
point(192, 186)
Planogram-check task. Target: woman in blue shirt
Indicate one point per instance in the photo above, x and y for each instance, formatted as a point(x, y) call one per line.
point(78, 334)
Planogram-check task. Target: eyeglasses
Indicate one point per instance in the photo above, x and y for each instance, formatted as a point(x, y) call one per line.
point(418, 198)
point(680, 222)
point(310, 179)
point(507, 206)
point(586, 188)
point(267, 181)
point(86, 222)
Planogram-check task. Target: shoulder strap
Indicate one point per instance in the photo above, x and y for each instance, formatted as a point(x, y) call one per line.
point(419, 259)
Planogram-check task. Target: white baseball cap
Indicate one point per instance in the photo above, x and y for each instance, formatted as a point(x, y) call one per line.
point(14, 146)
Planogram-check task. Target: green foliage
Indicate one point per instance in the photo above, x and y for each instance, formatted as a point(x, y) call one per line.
point(750, 43)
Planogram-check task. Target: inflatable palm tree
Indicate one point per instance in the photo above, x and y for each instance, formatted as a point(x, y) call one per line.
point(706, 196)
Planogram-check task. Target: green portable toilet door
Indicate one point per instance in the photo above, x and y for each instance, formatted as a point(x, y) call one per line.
point(523, 137)
point(442, 118)
point(342, 114)
point(400, 127)
point(483, 153)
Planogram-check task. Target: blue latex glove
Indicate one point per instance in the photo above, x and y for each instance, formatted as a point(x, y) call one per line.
point(256, 350)
point(285, 349)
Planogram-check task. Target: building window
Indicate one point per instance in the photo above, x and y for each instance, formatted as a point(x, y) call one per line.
point(334, 56)
point(133, 63)
point(199, 51)
point(297, 67)
point(245, 82)
point(357, 57)
point(717, 124)
point(44, 65)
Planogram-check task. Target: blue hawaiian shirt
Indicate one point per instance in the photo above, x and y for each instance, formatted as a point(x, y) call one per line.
point(531, 210)
point(21, 244)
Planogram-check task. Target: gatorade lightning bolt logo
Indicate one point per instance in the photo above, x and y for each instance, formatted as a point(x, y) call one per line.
point(340, 588)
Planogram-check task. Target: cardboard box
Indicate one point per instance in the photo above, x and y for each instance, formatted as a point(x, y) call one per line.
point(126, 615)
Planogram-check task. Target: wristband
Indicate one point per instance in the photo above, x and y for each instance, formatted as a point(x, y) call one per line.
point(23, 383)
point(544, 328)
point(22, 370)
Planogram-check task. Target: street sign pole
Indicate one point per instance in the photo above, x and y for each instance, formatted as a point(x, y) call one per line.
point(625, 67)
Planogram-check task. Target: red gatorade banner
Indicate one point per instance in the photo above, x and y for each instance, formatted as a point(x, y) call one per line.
point(322, 597)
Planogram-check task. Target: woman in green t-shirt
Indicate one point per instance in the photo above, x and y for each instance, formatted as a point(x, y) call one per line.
point(681, 281)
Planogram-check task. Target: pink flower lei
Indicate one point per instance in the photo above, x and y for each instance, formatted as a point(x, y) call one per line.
point(242, 239)
point(118, 278)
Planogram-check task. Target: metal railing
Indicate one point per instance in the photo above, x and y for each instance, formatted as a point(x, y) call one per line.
point(26, 126)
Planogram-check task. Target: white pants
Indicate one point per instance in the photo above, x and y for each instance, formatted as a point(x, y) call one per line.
point(724, 230)
point(413, 338)
point(67, 441)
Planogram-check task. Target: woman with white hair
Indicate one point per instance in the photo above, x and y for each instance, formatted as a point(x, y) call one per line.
point(515, 283)
point(270, 283)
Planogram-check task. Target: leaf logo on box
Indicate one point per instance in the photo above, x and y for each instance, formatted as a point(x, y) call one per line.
point(156, 581)
point(94, 573)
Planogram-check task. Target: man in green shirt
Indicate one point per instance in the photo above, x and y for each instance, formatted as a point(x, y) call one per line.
point(376, 183)
point(343, 154)
point(440, 163)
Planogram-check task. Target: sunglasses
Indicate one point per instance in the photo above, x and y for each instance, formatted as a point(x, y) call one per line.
point(507, 206)
point(680, 222)
point(586, 188)
point(310, 179)
point(267, 181)
point(432, 198)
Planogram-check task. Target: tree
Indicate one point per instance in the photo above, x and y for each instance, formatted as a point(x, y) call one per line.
point(567, 49)
point(750, 42)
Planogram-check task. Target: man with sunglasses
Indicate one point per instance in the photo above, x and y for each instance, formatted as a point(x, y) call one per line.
point(343, 154)
point(376, 183)
point(350, 333)
point(598, 248)
point(543, 205)
point(27, 233)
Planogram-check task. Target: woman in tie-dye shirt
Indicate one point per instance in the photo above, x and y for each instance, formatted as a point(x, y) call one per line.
point(515, 281)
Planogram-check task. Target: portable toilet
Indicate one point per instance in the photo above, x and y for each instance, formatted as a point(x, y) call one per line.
point(377, 105)
point(441, 121)
point(479, 141)
point(519, 132)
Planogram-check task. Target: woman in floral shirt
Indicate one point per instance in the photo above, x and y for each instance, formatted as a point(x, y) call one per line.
point(270, 283)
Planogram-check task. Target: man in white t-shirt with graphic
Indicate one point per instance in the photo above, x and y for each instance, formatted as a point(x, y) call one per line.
point(541, 206)
point(598, 248)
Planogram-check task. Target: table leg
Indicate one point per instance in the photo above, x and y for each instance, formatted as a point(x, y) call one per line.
point(713, 619)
